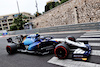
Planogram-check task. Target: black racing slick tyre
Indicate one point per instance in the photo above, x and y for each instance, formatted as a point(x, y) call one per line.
point(11, 49)
point(71, 38)
point(61, 51)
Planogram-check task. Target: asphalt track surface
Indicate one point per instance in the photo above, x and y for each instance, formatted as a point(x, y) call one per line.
point(31, 60)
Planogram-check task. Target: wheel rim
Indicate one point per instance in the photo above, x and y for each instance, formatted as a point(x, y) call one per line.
point(60, 52)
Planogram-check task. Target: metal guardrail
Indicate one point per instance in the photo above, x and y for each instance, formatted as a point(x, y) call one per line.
point(75, 27)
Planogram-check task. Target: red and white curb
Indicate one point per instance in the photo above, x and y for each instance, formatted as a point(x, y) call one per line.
point(7, 36)
point(1, 36)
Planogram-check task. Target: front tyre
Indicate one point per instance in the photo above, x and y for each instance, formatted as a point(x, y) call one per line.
point(61, 51)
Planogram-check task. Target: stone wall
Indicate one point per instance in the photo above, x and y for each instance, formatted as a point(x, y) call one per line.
point(71, 12)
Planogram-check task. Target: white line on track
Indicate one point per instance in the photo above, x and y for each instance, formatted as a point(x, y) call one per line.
point(71, 63)
point(90, 36)
point(94, 44)
point(88, 39)
point(95, 52)
point(95, 36)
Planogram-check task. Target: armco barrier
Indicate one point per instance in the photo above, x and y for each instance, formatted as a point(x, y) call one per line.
point(75, 27)
point(20, 32)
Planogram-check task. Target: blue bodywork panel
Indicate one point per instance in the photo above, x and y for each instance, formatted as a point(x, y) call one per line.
point(33, 46)
point(87, 53)
point(29, 41)
point(32, 41)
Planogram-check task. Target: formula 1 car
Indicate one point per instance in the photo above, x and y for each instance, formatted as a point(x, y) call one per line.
point(80, 50)
point(31, 44)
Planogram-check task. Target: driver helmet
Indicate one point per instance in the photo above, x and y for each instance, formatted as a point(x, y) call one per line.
point(37, 35)
point(42, 37)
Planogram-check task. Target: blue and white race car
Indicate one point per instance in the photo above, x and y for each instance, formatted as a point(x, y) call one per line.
point(32, 44)
point(43, 45)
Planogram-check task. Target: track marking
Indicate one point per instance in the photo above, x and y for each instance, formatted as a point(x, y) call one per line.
point(95, 52)
point(88, 39)
point(71, 63)
point(94, 44)
point(90, 36)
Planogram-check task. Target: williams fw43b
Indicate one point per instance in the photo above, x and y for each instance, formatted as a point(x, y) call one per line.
point(31, 44)
point(43, 45)
point(80, 50)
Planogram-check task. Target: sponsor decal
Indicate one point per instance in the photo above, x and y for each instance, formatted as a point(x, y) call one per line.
point(84, 59)
point(77, 55)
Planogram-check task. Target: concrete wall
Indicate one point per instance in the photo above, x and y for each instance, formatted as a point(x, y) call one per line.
point(71, 12)
point(74, 27)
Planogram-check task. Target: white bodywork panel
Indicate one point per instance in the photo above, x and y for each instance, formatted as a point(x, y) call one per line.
point(79, 44)
point(79, 51)
point(59, 39)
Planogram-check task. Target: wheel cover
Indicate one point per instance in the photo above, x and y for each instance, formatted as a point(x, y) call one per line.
point(60, 52)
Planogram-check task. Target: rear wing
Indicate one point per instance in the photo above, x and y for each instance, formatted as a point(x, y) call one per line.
point(16, 39)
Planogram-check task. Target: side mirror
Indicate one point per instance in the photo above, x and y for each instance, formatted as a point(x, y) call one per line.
point(51, 37)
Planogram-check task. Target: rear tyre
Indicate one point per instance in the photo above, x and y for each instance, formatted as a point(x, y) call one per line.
point(61, 51)
point(11, 49)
